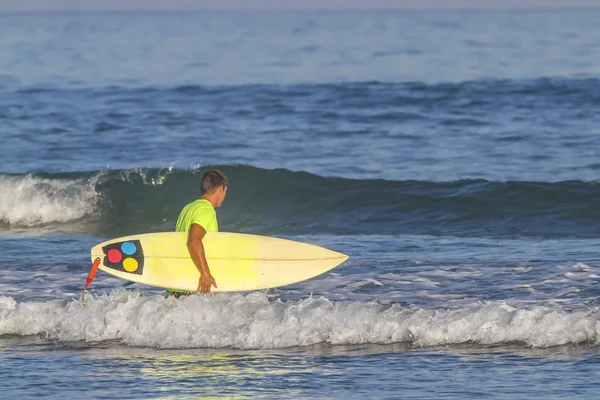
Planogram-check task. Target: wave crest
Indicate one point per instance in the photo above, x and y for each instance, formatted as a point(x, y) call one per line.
point(283, 202)
point(30, 200)
point(254, 322)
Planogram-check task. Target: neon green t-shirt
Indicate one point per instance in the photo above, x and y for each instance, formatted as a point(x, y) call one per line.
point(199, 212)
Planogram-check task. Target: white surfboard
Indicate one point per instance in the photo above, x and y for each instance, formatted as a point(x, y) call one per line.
point(238, 262)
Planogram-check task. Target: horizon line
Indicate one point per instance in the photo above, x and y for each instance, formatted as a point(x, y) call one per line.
point(289, 10)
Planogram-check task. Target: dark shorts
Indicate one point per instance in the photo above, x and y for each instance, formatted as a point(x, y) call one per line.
point(171, 293)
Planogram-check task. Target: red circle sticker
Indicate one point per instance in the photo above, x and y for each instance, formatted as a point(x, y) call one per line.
point(114, 256)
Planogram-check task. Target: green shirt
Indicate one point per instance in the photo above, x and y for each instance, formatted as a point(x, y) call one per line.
point(199, 212)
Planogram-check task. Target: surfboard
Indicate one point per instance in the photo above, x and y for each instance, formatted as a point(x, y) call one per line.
point(238, 262)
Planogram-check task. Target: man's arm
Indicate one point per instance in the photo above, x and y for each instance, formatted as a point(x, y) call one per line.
point(196, 249)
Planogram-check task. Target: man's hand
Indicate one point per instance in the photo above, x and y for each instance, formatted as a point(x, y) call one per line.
point(206, 281)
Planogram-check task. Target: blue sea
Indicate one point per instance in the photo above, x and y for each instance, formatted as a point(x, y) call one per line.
point(453, 155)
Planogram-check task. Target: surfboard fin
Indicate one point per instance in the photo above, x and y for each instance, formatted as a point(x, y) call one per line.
point(89, 279)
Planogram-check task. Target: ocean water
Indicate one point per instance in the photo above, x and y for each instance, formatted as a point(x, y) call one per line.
point(454, 156)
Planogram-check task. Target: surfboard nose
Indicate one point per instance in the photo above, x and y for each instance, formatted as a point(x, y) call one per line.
point(332, 254)
point(336, 254)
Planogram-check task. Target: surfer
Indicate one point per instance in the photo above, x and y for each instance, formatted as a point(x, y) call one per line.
point(199, 217)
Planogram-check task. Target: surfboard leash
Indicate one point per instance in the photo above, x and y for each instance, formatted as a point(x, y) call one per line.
point(89, 279)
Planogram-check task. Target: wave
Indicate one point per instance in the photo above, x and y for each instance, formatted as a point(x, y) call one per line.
point(283, 202)
point(543, 86)
point(32, 200)
point(255, 322)
point(463, 104)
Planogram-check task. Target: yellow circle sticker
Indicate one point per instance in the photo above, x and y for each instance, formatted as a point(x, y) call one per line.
point(130, 264)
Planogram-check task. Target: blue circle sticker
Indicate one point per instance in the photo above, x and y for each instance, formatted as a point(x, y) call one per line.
point(128, 248)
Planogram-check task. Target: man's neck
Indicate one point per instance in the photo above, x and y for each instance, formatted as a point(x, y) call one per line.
point(211, 199)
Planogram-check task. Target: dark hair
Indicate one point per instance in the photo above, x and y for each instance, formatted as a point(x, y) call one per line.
point(212, 180)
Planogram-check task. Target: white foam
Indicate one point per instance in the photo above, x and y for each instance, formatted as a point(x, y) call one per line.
point(255, 322)
point(27, 201)
point(582, 267)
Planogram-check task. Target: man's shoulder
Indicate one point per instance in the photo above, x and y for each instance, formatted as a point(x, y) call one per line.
point(201, 206)
point(198, 203)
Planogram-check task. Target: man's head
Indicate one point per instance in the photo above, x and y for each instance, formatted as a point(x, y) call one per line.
point(214, 187)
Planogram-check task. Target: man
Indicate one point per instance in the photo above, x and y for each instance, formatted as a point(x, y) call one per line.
point(198, 218)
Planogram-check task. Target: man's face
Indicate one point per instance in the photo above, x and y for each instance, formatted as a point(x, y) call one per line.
point(222, 192)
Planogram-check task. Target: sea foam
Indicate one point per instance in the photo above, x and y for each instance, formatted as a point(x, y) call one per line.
point(254, 321)
point(28, 200)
